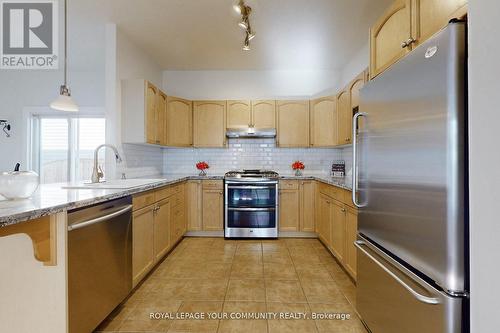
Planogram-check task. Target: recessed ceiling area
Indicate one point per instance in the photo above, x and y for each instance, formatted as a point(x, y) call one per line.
point(204, 35)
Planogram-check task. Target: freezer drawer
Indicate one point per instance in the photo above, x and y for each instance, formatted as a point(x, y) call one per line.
point(391, 299)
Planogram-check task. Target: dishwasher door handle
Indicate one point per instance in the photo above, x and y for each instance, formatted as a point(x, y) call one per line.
point(99, 219)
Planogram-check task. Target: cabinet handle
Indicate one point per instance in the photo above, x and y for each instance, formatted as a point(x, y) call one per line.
point(347, 139)
point(407, 43)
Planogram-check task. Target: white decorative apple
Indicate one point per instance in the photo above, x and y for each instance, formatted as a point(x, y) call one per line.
point(18, 184)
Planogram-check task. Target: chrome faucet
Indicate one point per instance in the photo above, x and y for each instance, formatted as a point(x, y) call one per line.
point(97, 172)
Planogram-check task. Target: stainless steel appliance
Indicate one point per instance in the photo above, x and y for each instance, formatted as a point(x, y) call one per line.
point(251, 133)
point(251, 204)
point(99, 262)
point(411, 157)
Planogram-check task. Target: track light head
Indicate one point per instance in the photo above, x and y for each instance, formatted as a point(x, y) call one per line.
point(243, 24)
point(250, 35)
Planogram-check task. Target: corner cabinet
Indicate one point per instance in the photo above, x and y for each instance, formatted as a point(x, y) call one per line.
point(179, 119)
point(406, 24)
point(293, 123)
point(143, 112)
point(324, 119)
point(209, 124)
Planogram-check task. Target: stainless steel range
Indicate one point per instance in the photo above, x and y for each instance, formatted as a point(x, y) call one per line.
point(251, 204)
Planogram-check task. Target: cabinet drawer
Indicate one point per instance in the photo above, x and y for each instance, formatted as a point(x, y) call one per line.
point(213, 184)
point(142, 200)
point(289, 184)
point(331, 191)
point(164, 192)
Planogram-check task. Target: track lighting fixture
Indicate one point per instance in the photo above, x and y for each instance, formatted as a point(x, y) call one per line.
point(244, 10)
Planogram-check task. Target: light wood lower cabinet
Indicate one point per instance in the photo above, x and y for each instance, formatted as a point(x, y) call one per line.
point(289, 211)
point(213, 206)
point(142, 243)
point(162, 228)
point(158, 223)
point(307, 205)
point(194, 203)
point(337, 225)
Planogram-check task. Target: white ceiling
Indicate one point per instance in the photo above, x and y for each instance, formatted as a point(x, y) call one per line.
point(203, 34)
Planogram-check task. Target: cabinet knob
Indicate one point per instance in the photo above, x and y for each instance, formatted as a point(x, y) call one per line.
point(343, 210)
point(347, 139)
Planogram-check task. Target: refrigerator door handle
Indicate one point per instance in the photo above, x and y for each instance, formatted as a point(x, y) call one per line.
point(354, 158)
point(419, 297)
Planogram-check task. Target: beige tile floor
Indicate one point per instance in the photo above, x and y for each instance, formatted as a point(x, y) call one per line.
point(213, 275)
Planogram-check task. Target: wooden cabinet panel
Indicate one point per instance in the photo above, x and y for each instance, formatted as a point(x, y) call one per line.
point(307, 195)
point(194, 205)
point(213, 210)
point(324, 122)
point(161, 119)
point(209, 121)
point(351, 226)
point(289, 213)
point(344, 125)
point(293, 123)
point(387, 34)
point(162, 229)
point(264, 114)
point(324, 219)
point(179, 121)
point(338, 230)
point(151, 112)
point(429, 16)
point(354, 89)
point(176, 223)
point(238, 114)
point(142, 243)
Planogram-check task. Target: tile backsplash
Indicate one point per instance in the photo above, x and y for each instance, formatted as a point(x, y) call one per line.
point(140, 161)
point(249, 154)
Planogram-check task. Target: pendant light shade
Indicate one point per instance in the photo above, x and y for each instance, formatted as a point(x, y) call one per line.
point(64, 102)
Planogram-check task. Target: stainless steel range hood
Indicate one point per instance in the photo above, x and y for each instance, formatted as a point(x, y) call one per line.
point(251, 132)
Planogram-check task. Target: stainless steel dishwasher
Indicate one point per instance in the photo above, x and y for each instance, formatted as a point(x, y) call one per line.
point(99, 262)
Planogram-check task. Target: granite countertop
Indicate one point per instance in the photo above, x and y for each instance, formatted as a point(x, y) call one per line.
point(53, 198)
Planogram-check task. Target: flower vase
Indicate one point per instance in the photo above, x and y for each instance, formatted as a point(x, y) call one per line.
point(202, 173)
point(298, 172)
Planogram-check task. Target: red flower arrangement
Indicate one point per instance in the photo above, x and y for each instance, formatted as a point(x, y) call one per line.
point(298, 165)
point(202, 165)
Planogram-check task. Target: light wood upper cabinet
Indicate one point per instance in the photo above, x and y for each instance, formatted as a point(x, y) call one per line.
point(324, 121)
point(387, 36)
point(293, 123)
point(142, 243)
point(209, 122)
point(152, 98)
point(161, 119)
point(212, 211)
point(429, 16)
point(289, 214)
point(307, 205)
point(194, 205)
point(344, 124)
point(162, 229)
point(354, 89)
point(264, 114)
point(179, 121)
point(351, 232)
point(239, 114)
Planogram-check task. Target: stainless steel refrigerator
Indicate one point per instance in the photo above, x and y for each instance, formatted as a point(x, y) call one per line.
point(410, 153)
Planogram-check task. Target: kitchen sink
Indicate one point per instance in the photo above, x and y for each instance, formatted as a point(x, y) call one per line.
point(114, 184)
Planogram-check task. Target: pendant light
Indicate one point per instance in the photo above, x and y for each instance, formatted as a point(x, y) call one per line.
point(64, 102)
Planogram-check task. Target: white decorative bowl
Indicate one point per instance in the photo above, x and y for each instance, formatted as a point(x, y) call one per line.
point(18, 184)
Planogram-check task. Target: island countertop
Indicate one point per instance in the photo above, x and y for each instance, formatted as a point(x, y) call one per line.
point(54, 198)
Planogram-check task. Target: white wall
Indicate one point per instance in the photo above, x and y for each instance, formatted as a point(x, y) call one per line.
point(247, 84)
point(484, 160)
point(125, 60)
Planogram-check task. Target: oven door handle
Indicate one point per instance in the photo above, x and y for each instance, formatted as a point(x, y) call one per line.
point(251, 187)
point(250, 209)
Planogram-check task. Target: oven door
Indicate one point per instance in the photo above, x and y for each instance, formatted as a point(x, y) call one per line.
point(251, 218)
point(251, 196)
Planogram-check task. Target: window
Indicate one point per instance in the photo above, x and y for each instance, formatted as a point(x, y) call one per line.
point(63, 147)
